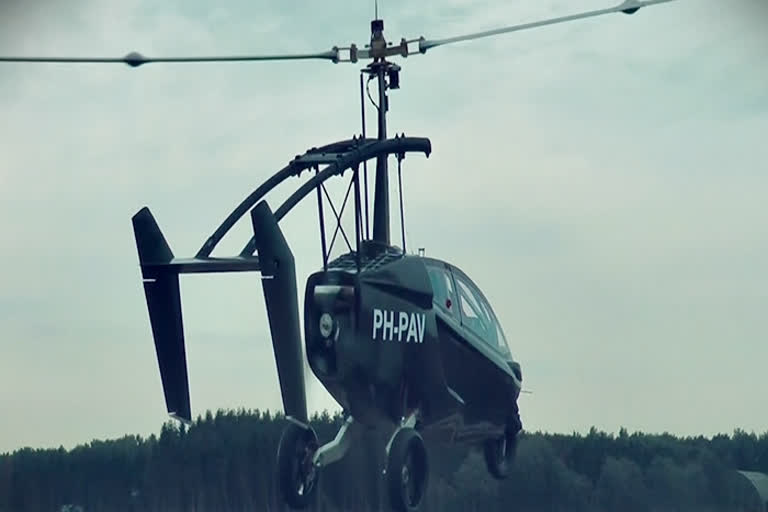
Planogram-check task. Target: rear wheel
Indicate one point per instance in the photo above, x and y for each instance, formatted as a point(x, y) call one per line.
point(296, 474)
point(407, 470)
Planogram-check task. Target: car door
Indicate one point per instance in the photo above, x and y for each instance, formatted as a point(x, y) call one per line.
point(493, 381)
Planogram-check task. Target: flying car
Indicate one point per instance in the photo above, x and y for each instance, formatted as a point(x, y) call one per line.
point(402, 341)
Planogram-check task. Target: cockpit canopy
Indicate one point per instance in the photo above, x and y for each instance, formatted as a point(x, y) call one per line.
point(458, 297)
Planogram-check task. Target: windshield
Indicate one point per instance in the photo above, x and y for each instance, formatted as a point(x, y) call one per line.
point(477, 315)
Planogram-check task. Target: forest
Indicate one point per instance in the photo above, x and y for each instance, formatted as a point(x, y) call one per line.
point(224, 462)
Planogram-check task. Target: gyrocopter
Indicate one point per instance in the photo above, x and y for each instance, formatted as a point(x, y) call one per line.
point(401, 341)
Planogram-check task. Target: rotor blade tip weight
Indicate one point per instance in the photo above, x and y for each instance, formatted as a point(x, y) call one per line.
point(630, 6)
point(135, 59)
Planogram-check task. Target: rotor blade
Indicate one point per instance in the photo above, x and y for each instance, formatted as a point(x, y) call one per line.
point(135, 59)
point(626, 7)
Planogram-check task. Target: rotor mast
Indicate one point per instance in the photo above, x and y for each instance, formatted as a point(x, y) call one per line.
point(387, 77)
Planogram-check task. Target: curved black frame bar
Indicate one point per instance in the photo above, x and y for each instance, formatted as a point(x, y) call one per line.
point(294, 168)
point(347, 153)
point(348, 160)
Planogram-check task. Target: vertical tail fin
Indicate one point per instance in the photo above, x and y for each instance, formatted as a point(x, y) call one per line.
point(161, 288)
point(280, 295)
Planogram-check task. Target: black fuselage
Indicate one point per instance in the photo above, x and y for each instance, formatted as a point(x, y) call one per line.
point(400, 335)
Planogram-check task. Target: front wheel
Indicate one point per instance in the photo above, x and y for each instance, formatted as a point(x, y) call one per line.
point(407, 470)
point(500, 453)
point(296, 474)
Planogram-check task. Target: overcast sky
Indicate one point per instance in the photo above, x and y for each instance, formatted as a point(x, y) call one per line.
point(616, 215)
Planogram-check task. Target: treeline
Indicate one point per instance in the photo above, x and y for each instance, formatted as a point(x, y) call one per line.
point(224, 462)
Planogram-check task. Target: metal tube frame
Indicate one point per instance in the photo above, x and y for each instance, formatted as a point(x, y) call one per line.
point(321, 217)
point(342, 162)
point(339, 156)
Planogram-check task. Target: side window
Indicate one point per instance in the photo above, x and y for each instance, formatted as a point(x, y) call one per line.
point(477, 316)
point(442, 286)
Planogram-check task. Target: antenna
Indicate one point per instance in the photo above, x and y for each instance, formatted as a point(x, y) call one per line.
point(375, 9)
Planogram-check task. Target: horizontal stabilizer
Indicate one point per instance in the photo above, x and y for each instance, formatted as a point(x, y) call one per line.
point(156, 256)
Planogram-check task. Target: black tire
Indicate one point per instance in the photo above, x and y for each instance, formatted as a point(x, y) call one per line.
point(296, 475)
point(407, 471)
point(500, 454)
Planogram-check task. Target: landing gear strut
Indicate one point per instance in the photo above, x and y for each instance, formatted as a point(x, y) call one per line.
point(299, 460)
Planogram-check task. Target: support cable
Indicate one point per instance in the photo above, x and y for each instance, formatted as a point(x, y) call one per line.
point(365, 162)
point(400, 157)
